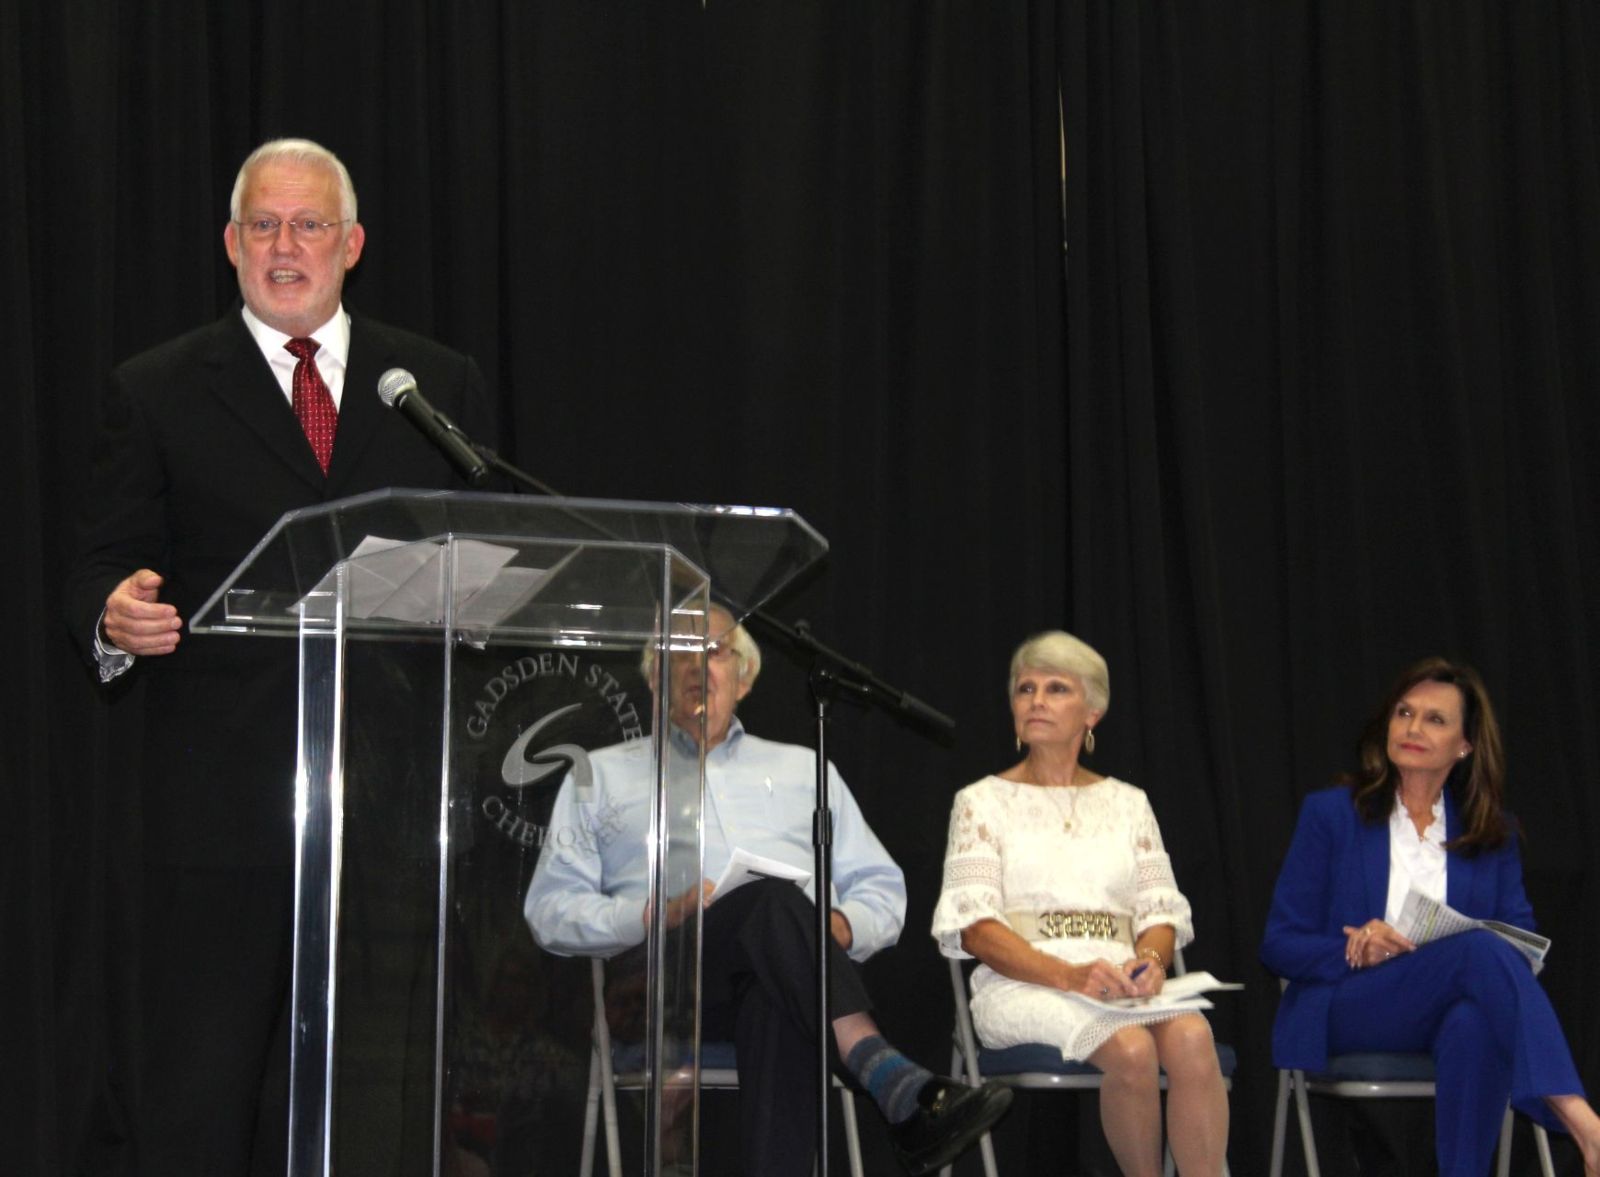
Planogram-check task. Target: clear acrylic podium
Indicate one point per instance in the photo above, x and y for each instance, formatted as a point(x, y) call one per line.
point(460, 655)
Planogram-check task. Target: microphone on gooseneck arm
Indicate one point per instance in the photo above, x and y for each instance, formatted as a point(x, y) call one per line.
point(397, 388)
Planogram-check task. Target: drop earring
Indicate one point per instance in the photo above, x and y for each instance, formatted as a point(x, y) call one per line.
point(1088, 742)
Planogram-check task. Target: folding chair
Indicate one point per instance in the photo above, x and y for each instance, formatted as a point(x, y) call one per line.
point(621, 1068)
point(1372, 1076)
point(1037, 1067)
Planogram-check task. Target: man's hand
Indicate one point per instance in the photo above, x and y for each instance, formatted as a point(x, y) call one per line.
point(136, 621)
point(679, 908)
point(840, 926)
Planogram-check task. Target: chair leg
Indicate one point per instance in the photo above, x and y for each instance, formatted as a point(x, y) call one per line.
point(1280, 1125)
point(591, 1114)
point(852, 1131)
point(1541, 1140)
point(608, 1104)
point(986, 1150)
point(1503, 1168)
point(1307, 1138)
point(986, 1147)
point(1541, 1143)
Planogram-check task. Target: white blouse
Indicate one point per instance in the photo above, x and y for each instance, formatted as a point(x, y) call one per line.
point(1415, 863)
point(1016, 847)
point(1080, 848)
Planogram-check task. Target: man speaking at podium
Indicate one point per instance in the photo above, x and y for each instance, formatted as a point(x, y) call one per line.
point(206, 441)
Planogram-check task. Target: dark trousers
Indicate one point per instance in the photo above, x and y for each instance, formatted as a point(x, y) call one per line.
point(1474, 1004)
point(758, 988)
point(212, 1096)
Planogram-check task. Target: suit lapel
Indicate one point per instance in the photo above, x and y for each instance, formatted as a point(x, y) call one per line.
point(244, 385)
point(1374, 838)
point(1461, 874)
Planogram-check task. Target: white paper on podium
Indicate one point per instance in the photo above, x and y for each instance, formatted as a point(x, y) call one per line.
point(404, 581)
point(744, 867)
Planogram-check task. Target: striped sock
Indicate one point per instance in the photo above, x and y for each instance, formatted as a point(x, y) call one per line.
point(890, 1077)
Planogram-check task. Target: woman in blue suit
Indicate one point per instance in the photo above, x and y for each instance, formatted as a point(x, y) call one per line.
point(1422, 813)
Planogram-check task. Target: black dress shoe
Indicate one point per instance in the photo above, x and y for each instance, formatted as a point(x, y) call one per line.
point(949, 1121)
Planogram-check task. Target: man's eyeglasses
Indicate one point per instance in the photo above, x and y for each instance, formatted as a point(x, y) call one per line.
point(715, 652)
point(304, 228)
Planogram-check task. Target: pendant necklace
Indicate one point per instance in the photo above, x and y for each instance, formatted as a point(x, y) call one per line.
point(1069, 815)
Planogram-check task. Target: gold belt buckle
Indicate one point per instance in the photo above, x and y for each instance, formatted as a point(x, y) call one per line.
point(1053, 924)
point(1097, 925)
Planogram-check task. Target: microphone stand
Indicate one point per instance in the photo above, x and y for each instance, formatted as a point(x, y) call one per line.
point(517, 476)
point(832, 675)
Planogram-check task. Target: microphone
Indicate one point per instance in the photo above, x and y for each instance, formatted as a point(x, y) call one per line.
point(397, 388)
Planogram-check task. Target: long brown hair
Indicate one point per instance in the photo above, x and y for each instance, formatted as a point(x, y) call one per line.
point(1478, 780)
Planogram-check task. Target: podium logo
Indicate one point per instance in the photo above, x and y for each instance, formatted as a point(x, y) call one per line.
point(519, 770)
point(559, 706)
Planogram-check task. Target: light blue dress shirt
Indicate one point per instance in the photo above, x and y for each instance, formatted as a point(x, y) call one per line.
point(589, 890)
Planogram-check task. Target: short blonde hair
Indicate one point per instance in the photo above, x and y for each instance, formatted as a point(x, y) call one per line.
point(1057, 651)
point(745, 652)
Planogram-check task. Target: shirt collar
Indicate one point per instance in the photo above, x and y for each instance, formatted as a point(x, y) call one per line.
point(1400, 820)
point(723, 751)
point(333, 340)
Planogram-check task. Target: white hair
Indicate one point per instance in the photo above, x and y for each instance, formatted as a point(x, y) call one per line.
point(1060, 652)
point(745, 652)
point(296, 151)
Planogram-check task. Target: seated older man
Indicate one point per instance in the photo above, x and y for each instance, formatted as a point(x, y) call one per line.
point(589, 897)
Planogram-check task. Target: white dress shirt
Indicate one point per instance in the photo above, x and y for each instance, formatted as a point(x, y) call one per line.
point(333, 352)
point(589, 891)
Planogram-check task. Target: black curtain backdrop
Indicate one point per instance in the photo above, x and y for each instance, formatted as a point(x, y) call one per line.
point(1296, 384)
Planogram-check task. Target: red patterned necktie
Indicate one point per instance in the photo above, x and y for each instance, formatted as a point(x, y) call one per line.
point(313, 403)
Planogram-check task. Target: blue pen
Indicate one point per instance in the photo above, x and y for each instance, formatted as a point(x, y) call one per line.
point(1134, 976)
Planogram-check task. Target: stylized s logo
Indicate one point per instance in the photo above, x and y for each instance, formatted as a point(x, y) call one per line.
point(519, 770)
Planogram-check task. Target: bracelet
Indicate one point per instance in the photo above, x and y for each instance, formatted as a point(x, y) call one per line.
point(1153, 955)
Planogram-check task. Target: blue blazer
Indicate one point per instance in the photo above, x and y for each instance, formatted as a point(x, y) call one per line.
point(1336, 874)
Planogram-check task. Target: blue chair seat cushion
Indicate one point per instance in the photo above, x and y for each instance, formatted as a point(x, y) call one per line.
point(1033, 1057)
point(1375, 1068)
point(1037, 1058)
point(714, 1056)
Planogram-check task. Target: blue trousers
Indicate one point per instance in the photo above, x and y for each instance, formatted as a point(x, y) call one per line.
point(1472, 1002)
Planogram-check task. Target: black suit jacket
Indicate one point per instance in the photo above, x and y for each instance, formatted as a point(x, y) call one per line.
point(199, 455)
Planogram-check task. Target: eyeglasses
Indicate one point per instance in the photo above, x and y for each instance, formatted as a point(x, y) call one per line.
point(715, 652)
point(304, 228)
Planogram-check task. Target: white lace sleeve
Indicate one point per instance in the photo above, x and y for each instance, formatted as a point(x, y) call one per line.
point(973, 886)
point(1157, 899)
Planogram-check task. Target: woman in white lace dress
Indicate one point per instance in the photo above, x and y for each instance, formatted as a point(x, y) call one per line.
point(1056, 880)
